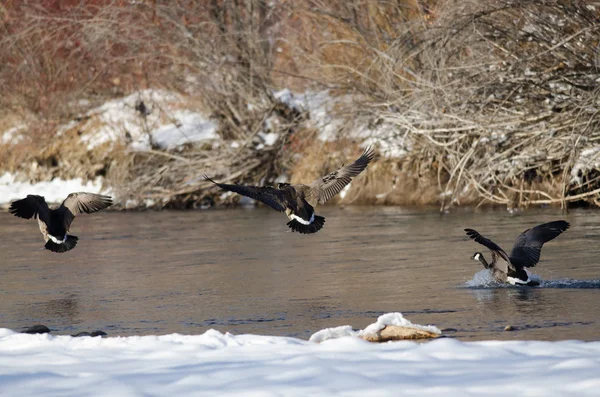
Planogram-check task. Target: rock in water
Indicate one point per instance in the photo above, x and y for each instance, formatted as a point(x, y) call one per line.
point(37, 329)
point(94, 333)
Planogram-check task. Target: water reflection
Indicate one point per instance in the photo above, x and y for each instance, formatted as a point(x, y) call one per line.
point(54, 312)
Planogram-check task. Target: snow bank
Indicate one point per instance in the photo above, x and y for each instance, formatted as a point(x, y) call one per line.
point(54, 191)
point(332, 333)
point(13, 135)
point(185, 127)
point(231, 365)
point(320, 107)
point(589, 159)
point(142, 119)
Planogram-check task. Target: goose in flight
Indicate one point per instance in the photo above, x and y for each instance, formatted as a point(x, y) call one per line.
point(299, 201)
point(55, 223)
point(525, 252)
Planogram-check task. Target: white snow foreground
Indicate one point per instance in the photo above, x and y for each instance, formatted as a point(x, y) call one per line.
point(55, 191)
point(232, 365)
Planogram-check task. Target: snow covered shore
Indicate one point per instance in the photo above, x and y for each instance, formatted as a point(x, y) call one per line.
point(223, 364)
point(54, 191)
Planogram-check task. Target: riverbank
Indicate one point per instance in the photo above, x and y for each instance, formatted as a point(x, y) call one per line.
point(467, 103)
point(156, 159)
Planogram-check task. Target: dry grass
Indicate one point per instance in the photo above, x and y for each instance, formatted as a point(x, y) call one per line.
point(495, 100)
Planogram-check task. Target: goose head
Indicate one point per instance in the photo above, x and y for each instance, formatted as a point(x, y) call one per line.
point(478, 256)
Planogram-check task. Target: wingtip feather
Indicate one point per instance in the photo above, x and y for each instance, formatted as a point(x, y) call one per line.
point(471, 233)
point(369, 153)
point(207, 178)
point(564, 225)
point(26, 208)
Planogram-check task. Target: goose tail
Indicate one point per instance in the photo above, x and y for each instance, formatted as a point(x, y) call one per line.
point(312, 227)
point(68, 245)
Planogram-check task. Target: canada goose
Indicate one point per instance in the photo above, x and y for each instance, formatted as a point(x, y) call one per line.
point(299, 201)
point(54, 223)
point(525, 252)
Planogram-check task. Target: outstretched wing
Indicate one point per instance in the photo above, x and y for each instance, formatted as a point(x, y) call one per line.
point(272, 197)
point(79, 203)
point(489, 244)
point(31, 206)
point(331, 184)
point(528, 245)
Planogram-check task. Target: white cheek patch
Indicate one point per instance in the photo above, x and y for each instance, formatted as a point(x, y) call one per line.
point(57, 241)
point(476, 257)
point(302, 221)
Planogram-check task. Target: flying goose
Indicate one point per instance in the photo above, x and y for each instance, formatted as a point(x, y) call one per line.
point(525, 252)
point(54, 223)
point(299, 201)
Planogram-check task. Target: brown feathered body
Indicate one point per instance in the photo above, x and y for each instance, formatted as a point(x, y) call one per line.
point(299, 201)
point(54, 223)
point(525, 253)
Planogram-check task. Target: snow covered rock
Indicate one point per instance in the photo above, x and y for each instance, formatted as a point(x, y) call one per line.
point(389, 326)
point(393, 326)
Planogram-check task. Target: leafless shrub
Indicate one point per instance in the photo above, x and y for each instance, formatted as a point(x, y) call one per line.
point(497, 97)
point(217, 52)
point(494, 99)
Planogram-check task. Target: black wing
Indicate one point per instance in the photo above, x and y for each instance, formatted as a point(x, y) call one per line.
point(495, 248)
point(31, 206)
point(528, 246)
point(331, 184)
point(82, 202)
point(272, 197)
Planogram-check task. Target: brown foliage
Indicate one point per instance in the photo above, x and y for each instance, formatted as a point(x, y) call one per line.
point(497, 98)
point(493, 99)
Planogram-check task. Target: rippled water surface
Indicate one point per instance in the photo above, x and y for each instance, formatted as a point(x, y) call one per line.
point(241, 271)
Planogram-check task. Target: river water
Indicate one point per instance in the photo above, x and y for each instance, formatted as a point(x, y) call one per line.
point(240, 270)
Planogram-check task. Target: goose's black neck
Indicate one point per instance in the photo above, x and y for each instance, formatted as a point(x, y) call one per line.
point(479, 256)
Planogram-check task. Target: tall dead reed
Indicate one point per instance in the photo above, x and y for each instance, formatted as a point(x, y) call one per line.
point(492, 101)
